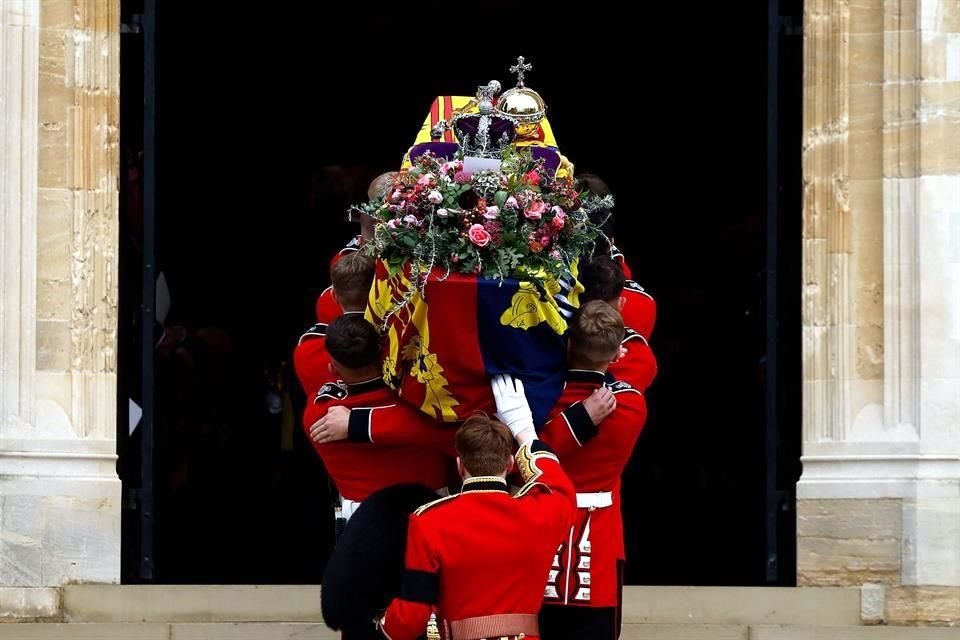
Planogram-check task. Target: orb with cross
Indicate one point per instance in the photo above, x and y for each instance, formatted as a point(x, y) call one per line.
point(523, 103)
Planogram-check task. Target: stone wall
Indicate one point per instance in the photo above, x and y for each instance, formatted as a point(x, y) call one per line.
point(59, 105)
point(879, 500)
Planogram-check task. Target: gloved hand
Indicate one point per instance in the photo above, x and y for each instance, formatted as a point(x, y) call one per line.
point(512, 407)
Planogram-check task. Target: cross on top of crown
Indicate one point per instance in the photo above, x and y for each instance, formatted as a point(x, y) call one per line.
point(520, 69)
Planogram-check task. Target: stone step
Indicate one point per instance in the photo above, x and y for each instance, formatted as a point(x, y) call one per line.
point(313, 631)
point(736, 606)
point(742, 605)
point(850, 633)
point(157, 631)
point(191, 603)
point(684, 632)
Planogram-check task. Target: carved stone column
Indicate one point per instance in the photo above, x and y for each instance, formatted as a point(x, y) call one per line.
point(59, 105)
point(879, 500)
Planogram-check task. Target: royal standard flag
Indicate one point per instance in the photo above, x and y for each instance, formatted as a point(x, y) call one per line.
point(446, 338)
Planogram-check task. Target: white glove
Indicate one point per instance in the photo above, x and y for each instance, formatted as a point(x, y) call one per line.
point(512, 406)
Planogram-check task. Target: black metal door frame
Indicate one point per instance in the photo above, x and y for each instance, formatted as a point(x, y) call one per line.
point(147, 507)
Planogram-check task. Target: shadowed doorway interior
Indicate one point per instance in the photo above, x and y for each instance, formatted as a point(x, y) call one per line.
point(268, 123)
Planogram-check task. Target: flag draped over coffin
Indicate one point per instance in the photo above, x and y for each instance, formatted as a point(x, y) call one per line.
point(445, 339)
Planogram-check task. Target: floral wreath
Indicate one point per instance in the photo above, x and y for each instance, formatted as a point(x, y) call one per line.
point(525, 222)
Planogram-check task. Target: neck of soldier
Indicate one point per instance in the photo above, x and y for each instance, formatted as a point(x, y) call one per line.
point(363, 374)
point(360, 308)
point(584, 364)
point(466, 475)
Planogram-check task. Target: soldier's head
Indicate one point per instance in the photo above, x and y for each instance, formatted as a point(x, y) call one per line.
point(352, 277)
point(592, 183)
point(602, 278)
point(484, 447)
point(596, 332)
point(378, 189)
point(354, 348)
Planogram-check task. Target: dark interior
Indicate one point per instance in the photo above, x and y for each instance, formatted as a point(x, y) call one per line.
point(269, 123)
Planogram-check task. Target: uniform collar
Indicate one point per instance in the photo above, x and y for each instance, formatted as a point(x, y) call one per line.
point(586, 376)
point(366, 386)
point(484, 483)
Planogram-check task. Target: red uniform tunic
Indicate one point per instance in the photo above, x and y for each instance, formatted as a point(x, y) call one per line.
point(484, 552)
point(639, 310)
point(585, 568)
point(408, 449)
point(311, 360)
point(636, 364)
point(618, 256)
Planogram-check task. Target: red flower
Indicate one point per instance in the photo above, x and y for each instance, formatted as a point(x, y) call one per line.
point(532, 177)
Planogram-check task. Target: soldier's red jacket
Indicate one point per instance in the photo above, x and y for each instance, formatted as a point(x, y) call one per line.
point(636, 365)
point(311, 360)
point(480, 558)
point(618, 256)
point(409, 448)
point(585, 568)
point(327, 307)
point(639, 310)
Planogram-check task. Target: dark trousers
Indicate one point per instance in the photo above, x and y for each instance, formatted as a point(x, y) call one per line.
point(581, 623)
point(361, 632)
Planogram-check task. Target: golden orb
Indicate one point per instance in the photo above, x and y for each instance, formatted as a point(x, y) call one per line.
point(524, 105)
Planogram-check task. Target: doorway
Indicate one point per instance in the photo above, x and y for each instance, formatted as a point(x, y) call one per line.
point(268, 124)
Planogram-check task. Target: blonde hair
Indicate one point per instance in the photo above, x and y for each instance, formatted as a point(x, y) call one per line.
point(596, 333)
point(352, 277)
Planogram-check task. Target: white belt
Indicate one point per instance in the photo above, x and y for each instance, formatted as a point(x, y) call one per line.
point(598, 500)
point(349, 507)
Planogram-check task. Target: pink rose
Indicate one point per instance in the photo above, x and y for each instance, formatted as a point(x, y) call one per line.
point(426, 180)
point(435, 197)
point(454, 166)
point(555, 254)
point(535, 209)
point(478, 235)
point(544, 240)
point(511, 203)
point(491, 213)
point(397, 194)
point(411, 220)
point(559, 218)
point(392, 223)
point(443, 213)
point(462, 177)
